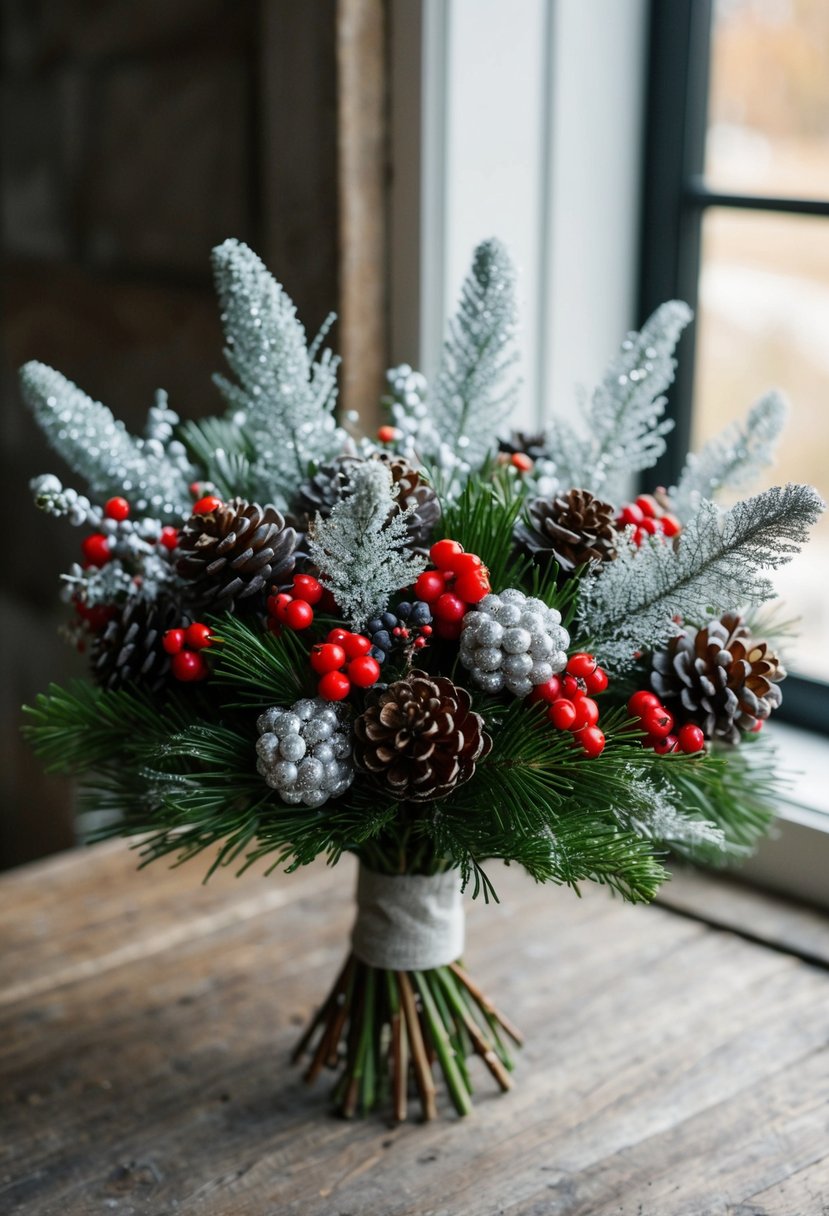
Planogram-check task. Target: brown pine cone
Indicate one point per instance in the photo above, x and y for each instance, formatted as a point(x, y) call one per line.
point(719, 677)
point(572, 529)
point(233, 552)
point(129, 650)
point(332, 481)
point(420, 737)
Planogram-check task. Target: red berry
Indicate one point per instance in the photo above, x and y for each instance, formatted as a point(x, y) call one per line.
point(690, 738)
point(573, 687)
point(449, 607)
point(387, 434)
point(207, 504)
point(327, 656)
point(299, 615)
point(658, 721)
point(173, 640)
point(548, 692)
point(596, 681)
point(631, 514)
point(581, 664)
point(278, 605)
point(334, 686)
point(587, 713)
point(670, 525)
point(188, 665)
point(169, 537)
point(592, 741)
point(466, 562)
point(198, 636)
point(363, 671)
point(430, 585)
point(95, 549)
point(117, 508)
point(307, 588)
point(337, 635)
point(444, 552)
point(521, 461)
point(450, 631)
point(426, 630)
point(473, 585)
point(356, 644)
point(648, 505)
point(562, 714)
point(419, 643)
point(649, 527)
point(642, 701)
point(757, 727)
point(638, 536)
point(668, 743)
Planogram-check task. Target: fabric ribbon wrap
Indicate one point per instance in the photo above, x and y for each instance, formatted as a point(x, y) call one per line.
point(408, 922)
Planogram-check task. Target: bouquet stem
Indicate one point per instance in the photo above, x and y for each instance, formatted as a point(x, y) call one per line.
point(381, 1029)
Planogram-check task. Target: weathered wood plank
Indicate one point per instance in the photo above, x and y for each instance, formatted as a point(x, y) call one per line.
point(670, 1068)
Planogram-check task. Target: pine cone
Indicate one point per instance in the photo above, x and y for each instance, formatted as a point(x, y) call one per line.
point(573, 528)
point(719, 677)
point(233, 552)
point(129, 649)
point(332, 481)
point(420, 737)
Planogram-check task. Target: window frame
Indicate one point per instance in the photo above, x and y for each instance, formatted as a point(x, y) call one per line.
point(675, 198)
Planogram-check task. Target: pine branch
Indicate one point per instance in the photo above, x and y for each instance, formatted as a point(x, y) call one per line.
point(715, 565)
point(482, 518)
point(361, 547)
point(283, 396)
point(733, 458)
point(225, 453)
point(153, 476)
point(257, 669)
point(475, 391)
point(624, 431)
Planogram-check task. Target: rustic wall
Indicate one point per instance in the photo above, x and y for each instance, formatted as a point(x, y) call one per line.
point(133, 138)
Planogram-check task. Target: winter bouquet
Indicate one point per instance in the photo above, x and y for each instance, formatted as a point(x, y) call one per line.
point(430, 649)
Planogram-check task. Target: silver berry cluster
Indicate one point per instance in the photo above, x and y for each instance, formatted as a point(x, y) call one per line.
point(304, 752)
point(513, 641)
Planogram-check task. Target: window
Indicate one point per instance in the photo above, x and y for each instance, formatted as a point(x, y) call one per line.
point(735, 220)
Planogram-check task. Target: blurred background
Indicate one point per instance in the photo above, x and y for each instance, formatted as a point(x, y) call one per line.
point(626, 151)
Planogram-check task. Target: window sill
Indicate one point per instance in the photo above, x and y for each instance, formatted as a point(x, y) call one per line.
point(794, 860)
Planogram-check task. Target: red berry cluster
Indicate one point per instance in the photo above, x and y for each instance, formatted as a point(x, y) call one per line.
point(294, 608)
point(570, 707)
point(659, 723)
point(184, 646)
point(341, 661)
point(649, 518)
point(460, 580)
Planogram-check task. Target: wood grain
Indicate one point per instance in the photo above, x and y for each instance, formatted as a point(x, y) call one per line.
point(671, 1068)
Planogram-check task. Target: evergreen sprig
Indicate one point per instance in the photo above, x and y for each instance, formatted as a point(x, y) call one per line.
point(624, 428)
point(631, 605)
point(732, 458)
point(284, 394)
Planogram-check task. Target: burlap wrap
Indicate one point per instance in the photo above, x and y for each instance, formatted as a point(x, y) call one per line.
point(408, 922)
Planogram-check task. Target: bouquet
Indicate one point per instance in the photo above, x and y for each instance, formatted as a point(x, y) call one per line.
point(430, 649)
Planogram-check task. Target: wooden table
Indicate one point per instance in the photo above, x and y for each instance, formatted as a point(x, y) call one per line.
point(671, 1066)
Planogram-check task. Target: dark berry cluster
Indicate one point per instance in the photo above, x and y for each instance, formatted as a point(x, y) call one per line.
point(409, 626)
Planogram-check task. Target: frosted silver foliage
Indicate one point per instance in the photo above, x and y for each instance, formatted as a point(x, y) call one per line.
point(361, 547)
point(647, 810)
point(139, 565)
point(153, 473)
point(52, 497)
point(283, 394)
point(420, 441)
point(304, 753)
point(623, 423)
point(715, 564)
point(455, 424)
point(733, 458)
point(513, 641)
